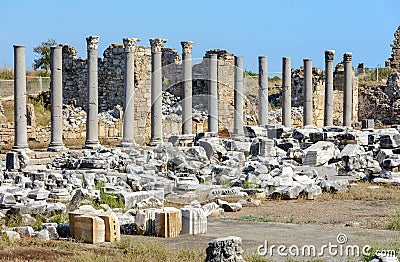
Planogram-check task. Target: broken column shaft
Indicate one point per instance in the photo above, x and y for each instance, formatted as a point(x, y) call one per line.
point(263, 90)
point(128, 133)
point(156, 90)
point(286, 92)
point(347, 89)
point(238, 97)
point(56, 142)
point(307, 93)
point(187, 87)
point(20, 119)
point(328, 110)
point(213, 94)
point(92, 136)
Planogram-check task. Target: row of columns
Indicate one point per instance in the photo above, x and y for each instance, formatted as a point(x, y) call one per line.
point(92, 141)
point(308, 90)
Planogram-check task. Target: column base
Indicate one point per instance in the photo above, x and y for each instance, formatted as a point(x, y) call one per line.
point(21, 149)
point(155, 141)
point(91, 145)
point(56, 147)
point(127, 144)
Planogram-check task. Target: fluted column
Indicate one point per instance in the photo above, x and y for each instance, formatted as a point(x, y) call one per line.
point(213, 94)
point(156, 90)
point(187, 87)
point(238, 97)
point(286, 92)
point(128, 133)
point(56, 142)
point(307, 93)
point(20, 120)
point(92, 135)
point(328, 110)
point(263, 90)
point(348, 89)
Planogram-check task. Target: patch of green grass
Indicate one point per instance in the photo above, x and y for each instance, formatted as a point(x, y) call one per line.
point(254, 218)
point(111, 200)
point(394, 221)
point(14, 220)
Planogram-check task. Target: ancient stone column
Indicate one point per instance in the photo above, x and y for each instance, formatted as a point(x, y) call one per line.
point(156, 90)
point(56, 142)
point(213, 94)
point(187, 87)
point(307, 93)
point(347, 89)
point(92, 136)
point(286, 92)
point(128, 132)
point(263, 90)
point(328, 110)
point(238, 97)
point(20, 119)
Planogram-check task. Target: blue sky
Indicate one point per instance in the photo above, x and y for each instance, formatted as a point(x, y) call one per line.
point(298, 29)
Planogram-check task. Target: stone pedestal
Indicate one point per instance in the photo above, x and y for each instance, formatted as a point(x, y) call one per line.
point(213, 94)
point(263, 90)
point(307, 93)
point(92, 136)
point(348, 89)
point(328, 109)
point(56, 142)
point(286, 92)
point(128, 133)
point(20, 119)
point(187, 87)
point(238, 97)
point(156, 90)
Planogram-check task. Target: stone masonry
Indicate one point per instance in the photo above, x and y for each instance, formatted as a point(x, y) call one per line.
point(394, 61)
point(111, 83)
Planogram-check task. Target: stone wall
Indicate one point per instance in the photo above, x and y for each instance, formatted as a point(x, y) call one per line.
point(381, 103)
point(394, 61)
point(319, 95)
point(111, 75)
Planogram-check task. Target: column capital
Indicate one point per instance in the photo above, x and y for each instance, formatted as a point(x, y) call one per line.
point(130, 44)
point(329, 55)
point(157, 44)
point(187, 47)
point(92, 42)
point(347, 57)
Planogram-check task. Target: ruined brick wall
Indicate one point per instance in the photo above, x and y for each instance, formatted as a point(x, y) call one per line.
point(319, 94)
point(394, 61)
point(381, 103)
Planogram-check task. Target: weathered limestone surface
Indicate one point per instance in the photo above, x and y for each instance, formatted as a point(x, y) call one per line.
point(56, 143)
point(20, 119)
point(128, 131)
point(92, 129)
point(225, 249)
point(394, 61)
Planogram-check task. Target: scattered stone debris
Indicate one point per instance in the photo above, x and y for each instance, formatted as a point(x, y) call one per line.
point(127, 187)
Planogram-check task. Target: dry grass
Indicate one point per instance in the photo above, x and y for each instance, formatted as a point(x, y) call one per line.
point(365, 191)
point(6, 73)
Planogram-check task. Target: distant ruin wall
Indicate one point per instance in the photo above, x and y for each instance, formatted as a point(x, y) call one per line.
point(111, 83)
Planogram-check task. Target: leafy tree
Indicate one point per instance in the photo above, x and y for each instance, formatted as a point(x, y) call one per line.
point(43, 53)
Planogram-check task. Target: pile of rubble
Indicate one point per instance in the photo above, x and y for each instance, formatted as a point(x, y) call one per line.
point(74, 118)
point(274, 162)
